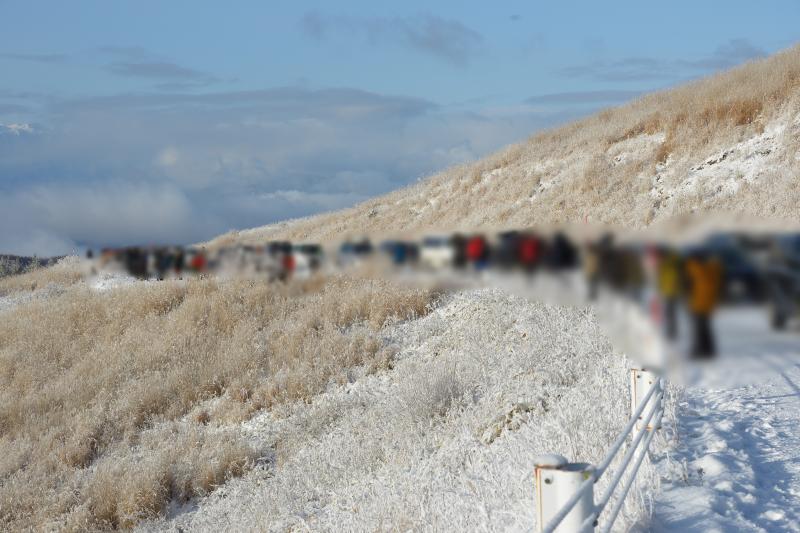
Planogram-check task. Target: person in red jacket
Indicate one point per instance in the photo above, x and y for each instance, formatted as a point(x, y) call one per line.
point(477, 251)
point(529, 251)
point(199, 262)
point(288, 264)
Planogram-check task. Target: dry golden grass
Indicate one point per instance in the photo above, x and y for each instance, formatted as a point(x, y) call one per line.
point(680, 127)
point(66, 272)
point(112, 404)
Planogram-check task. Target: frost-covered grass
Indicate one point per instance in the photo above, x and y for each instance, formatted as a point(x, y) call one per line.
point(444, 438)
point(115, 403)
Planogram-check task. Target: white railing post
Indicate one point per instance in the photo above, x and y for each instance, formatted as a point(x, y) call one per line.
point(557, 482)
point(641, 382)
point(565, 500)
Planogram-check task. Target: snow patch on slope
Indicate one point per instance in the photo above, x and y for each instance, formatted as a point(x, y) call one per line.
point(745, 162)
point(9, 302)
point(111, 280)
point(724, 173)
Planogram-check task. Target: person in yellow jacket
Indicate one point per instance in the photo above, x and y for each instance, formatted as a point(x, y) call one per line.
point(591, 269)
point(704, 278)
point(670, 281)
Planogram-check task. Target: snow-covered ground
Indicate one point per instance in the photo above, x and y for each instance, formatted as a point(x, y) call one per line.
point(11, 301)
point(102, 282)
point(445, 439)
point(111, 280)
point(737, 464)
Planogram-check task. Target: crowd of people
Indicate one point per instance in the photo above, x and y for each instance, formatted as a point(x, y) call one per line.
point(277, 261)
point(666, 280)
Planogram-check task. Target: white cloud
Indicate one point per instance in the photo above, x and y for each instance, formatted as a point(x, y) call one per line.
point(182, 168)
point(16, 129)
point(37, 241)
point(56, 219)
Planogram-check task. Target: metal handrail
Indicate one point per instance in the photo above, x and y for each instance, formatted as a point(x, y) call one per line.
point(627, 429)
point(598, 509)
point(629, 482)
point(655, 393)
point(628, 455)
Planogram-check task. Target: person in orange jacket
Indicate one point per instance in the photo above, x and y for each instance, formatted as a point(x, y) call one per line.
point(704, 278)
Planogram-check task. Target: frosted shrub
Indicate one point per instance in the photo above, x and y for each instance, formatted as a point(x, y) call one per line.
point(433, 393)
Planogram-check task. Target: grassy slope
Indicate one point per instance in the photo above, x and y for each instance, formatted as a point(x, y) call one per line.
point(113, 404)
point(629, 166)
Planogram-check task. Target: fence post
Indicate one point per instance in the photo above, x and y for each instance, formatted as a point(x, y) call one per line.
point(641, 382)
point(557, 480)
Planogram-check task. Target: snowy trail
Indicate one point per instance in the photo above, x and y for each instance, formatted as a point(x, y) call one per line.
point(738, 459)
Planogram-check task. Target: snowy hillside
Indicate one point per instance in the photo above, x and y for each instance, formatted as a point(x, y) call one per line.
point(445, 439)
point(442, 431)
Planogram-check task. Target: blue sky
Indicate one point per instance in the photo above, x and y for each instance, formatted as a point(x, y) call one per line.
point(153, 121)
